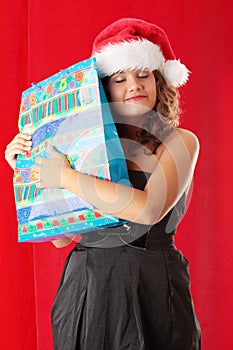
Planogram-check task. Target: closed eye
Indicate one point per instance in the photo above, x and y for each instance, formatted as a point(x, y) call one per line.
point(143, 73)
point(143, 76)
point(119, 80)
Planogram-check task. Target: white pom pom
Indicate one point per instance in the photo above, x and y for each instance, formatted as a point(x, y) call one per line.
point(175, 73)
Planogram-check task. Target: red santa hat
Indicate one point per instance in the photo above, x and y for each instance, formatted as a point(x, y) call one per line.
point(131, 43)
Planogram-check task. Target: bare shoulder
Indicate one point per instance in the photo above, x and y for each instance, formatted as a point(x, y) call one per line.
point(180, 139)
point(187, 134)
point(189, 138)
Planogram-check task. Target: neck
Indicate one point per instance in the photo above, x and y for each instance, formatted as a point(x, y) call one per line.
point(127, 131)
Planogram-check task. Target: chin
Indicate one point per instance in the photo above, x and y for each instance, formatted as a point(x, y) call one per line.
point(130, 109)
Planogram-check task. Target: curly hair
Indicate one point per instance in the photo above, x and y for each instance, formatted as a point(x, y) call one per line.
point(167, 104)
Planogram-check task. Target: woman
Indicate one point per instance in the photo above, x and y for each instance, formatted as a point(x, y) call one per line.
point(133, 294)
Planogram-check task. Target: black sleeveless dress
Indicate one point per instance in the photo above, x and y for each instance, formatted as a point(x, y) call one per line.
point(132, 295)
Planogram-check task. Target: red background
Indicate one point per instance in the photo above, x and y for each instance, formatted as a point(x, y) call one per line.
point(40, 37)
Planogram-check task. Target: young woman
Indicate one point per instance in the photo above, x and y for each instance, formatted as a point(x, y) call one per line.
point(134, 294)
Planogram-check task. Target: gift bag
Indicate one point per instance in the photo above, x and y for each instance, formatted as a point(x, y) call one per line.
point(68, 110)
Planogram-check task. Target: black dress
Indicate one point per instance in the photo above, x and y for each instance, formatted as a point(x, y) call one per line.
point(131, 296)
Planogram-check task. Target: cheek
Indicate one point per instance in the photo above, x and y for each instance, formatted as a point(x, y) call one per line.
point(153, 96)
point(151, 87)
point(115, 97)
point(114, 93)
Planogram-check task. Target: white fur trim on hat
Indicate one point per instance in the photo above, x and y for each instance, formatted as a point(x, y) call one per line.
point(139, 54)
point(134, 54)
point(175, 73)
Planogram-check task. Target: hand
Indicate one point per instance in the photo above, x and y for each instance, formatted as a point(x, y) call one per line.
point(50, 171)
point(21, 144)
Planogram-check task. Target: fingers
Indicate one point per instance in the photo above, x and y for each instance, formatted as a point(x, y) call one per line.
point(21, 144)
point(35, 175)
point(36, 170)
point(21, 138)
point(48, 172)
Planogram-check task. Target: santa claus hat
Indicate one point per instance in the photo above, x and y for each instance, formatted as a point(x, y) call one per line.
point(131, 43)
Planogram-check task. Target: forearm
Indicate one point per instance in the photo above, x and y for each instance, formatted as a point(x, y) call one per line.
point(168, 181)
point(115, 199)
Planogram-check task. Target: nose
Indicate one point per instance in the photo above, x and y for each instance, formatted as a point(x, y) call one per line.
point(134, 84)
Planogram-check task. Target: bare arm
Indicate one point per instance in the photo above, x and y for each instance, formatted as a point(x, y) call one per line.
point(170, 178)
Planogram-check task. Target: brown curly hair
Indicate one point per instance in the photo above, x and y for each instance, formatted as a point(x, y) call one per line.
point(167, 104)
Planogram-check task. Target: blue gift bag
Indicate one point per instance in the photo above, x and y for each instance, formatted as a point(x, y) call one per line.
point(69, 110)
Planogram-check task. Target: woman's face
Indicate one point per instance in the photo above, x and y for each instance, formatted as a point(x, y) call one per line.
point(134, 91)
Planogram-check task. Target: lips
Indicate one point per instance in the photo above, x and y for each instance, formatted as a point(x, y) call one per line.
point(135, 98)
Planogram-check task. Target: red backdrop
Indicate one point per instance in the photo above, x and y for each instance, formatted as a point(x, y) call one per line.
point(40, 37)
